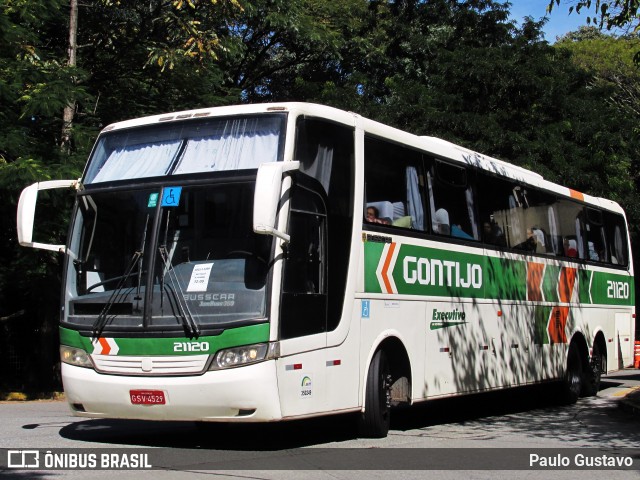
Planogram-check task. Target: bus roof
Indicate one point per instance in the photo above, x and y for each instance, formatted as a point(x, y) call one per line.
point(433, 145)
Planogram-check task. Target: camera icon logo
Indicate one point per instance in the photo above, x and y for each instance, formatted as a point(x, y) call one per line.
point(23, 459)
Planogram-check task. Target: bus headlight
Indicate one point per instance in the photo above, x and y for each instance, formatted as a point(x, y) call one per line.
point(239, 356)
point(75, 356)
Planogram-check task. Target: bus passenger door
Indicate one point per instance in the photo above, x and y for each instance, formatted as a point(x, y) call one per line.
point(303, 307)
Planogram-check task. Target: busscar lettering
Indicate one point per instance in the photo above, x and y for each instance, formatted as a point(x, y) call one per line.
point(434, 272)
point(208, 297)
point(211, 299)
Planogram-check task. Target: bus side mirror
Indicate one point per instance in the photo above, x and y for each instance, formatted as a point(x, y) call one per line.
point(266, 198)
point(27, 212)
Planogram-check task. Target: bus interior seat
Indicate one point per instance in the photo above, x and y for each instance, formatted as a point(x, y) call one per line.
point(400, 217)
point(398, 210)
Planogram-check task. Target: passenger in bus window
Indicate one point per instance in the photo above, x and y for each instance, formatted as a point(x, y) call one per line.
point(538, 238)
point(373, 216)
point(456, 231)
point(570, 247)
point(493, 234)
point(441, 222)
point(535, 241)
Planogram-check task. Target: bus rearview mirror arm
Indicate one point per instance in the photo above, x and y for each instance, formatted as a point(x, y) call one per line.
point(266, 198)
point(27, 212)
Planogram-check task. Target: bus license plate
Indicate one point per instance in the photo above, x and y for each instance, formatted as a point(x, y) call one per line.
point(147, 397)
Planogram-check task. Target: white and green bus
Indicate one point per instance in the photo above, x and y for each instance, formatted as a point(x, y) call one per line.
point(269, 262)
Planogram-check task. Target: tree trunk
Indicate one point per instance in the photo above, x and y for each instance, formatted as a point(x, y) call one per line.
point(69, 110)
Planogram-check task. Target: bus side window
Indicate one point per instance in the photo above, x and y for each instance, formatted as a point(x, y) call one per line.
point(570, 228)
point(393, 185)
point(616, 239)
point(452, 202)
point(596, 240)
point(495, 205)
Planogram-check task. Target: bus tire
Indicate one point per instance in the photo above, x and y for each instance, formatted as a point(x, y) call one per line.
point(375, 420)
point(593, 374)
point(573, 376)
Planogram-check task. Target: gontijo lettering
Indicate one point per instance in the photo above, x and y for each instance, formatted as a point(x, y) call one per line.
point(441, 273)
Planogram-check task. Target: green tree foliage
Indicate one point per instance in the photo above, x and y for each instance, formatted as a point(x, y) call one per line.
point(613, 71)
point(610, 60)
point(34, 87)
point(609, 14)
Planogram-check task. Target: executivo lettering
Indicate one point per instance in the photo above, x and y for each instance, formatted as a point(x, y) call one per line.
point(441, 273)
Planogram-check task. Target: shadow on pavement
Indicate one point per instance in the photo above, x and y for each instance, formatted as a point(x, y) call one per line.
point(310, 432)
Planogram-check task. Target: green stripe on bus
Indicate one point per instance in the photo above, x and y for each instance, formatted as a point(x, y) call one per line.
point(584, 283)
point(420, 271)
point(504, 279)
point(373, 252)
point(550, 283)
point(610, 289)
point(541, 320)
point(427, 271)
point(232, 337)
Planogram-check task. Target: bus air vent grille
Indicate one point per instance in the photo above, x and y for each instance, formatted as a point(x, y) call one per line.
point(152, 365)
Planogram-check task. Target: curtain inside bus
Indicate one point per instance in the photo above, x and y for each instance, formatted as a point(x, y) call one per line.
point(196, 147)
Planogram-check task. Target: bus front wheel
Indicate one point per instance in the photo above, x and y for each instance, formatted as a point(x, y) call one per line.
point(376, 418)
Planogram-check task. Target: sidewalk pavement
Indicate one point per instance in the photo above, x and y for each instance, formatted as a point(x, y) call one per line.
point(631, 401)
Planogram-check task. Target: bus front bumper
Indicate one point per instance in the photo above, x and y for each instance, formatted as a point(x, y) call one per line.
point(243, 394)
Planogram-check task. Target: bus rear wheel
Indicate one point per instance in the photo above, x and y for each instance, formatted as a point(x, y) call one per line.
point(376, 418)
point(594, 372)
point(572, 381)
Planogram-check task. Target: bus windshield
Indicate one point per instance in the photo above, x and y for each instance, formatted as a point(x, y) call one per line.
point(173, 257)
point(201, 146)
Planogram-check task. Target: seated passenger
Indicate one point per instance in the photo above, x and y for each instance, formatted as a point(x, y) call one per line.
point(441, 222)
point(531, 244)
point(456, 231)
point(538, 235)
point(492, 233)
point(373, 216)
point(570, 247)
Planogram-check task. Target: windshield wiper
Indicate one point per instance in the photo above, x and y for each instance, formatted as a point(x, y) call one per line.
point(118, 293)
point(188, 321)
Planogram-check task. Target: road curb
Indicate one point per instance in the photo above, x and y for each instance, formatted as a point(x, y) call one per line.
point(631, 402)
point(24, 397)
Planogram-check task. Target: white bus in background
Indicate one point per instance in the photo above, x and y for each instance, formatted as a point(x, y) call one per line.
point(269, 262)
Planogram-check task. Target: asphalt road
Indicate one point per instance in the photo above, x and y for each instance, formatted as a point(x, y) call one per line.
point(481, 436)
